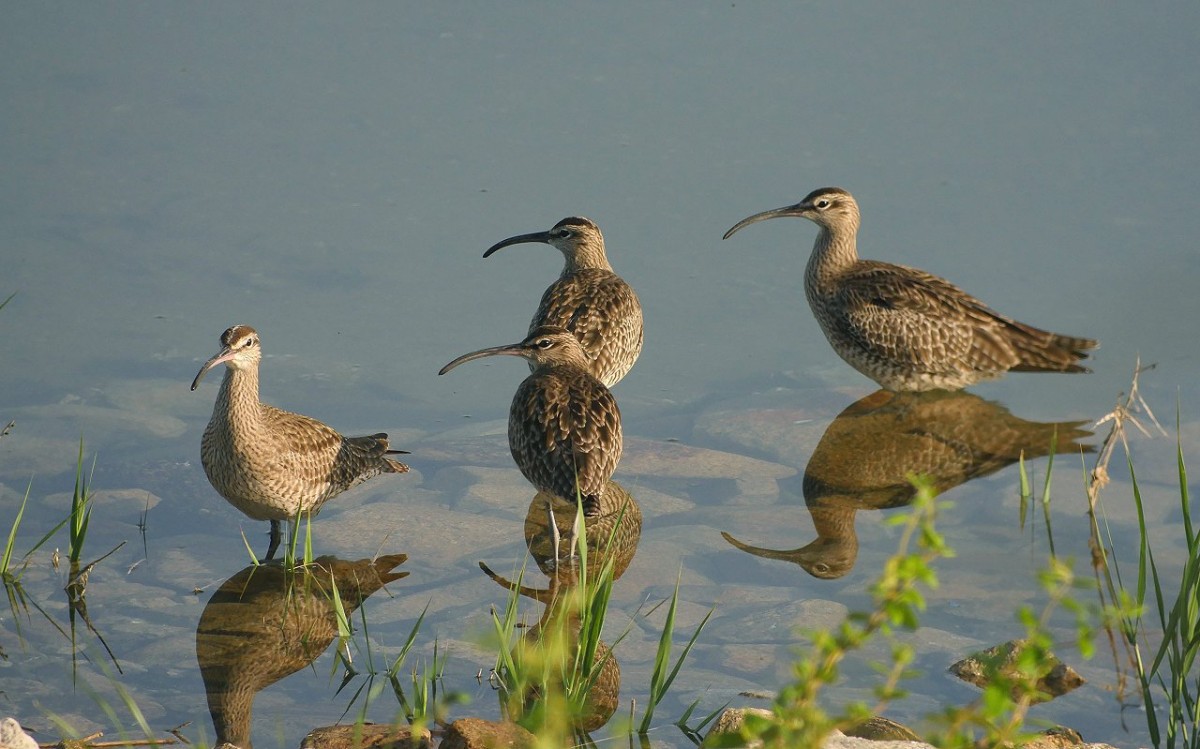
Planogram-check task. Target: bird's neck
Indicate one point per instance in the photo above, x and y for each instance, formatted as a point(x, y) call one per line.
point(834, 253)
point(566, 367)
point(231, 717)
point(238, 399)
point(585, 258)
point(833, 522)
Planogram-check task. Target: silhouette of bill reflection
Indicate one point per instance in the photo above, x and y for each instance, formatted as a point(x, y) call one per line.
point(863, 461)
point(612, 538)
point(267, 622)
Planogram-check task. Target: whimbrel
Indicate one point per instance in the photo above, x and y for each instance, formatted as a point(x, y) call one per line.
point(564, 427)
point(273, 464)
point(588, 299)
point(905, 328)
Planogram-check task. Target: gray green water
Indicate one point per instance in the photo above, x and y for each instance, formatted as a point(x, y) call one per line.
point(332, 176)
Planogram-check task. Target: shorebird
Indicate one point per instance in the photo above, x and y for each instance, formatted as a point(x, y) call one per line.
point(564, 427)
point(588, 299)
point(273, 464)
point(905, 328)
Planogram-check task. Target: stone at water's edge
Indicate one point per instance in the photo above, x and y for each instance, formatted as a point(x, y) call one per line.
point(476, 733)
point(1001, 659)
point(367, 736)
point(731, 720)
point(882, 729)
point(12, 736)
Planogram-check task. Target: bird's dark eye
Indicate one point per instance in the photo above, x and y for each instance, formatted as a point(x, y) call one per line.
point(823, 203)
point(544, 343)
point(249, 343)
point(564, 233)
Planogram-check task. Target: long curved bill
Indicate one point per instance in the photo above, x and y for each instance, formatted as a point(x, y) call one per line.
point(789, 210)
point(787, 555)
point(221, 357)
point(512, 349)
point(542, 237)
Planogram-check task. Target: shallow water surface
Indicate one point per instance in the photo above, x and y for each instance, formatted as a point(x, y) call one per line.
point(332, 176)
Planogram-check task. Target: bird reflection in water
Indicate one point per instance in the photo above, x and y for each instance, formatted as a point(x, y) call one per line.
point(267, 622)
point(612, 539)
point(612, 534)
point(867, 453)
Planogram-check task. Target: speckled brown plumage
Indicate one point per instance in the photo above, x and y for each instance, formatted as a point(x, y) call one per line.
point(273, 464)
point(867, 455)
point(564, 423)
point(267, 622)
point(905, 328)
point(588, 299)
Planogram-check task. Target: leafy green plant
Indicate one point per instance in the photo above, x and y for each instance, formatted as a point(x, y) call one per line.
point(798, 718)
point(997, 717)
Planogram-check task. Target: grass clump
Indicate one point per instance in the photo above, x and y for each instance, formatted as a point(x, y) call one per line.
point(81, 509)
point(546, 676)
point(557, 678)
point(1166, 675)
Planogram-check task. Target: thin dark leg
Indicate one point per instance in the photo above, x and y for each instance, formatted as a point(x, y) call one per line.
point(275, 537)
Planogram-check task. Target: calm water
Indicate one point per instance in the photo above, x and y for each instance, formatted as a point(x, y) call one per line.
point(332, 176)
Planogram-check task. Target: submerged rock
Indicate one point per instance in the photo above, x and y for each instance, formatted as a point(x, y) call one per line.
point(879, 728)
point(1001, 660)
point(476, 733)
point(367, 736)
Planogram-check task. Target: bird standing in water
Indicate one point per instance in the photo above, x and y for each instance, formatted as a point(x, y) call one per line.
point(564, 427)
point(905, 328)
point(588, 299)
point(273, 464)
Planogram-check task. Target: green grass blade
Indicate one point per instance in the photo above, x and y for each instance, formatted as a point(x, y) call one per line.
point(249, 551)
point(666, 686)
point(408, 643)
point(1046, 492)
point(345, 631)
point(663, 654)
point(660, 678)
point(6, 559)
point(80, 510)
point(1026, 492)
point(308, 540)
